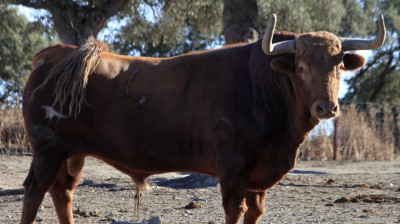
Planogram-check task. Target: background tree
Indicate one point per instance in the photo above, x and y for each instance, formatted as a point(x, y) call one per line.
point(19, 40)
point(168, 27)
point(239, 21)
point(305, 16)
point(379, 80)
point(75, 21)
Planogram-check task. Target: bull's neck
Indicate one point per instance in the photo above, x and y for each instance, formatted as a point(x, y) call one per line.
point(303, 123)
point(278, 110)
point(287, 117)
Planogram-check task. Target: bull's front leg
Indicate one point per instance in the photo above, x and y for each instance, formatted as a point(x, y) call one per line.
point(233, 198)
point(234, 162)
point(255, 201)
point(234, 177)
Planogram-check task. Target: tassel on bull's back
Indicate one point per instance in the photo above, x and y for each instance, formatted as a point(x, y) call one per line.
point(71, 77)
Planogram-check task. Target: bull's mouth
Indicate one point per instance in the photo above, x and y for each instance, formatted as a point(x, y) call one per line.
point(324, 110)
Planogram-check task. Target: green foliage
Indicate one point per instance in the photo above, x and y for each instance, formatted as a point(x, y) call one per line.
point(166, 28)
point(379, 81)
point(19, 41)
point(304, 16)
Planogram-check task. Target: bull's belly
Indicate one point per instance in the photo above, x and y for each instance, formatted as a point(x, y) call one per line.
point(155, 157)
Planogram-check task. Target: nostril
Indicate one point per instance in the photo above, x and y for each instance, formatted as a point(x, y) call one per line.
point(320, 109)
point(325, 109)
point(335, 109)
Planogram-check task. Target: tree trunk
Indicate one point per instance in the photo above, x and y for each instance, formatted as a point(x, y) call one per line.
point(239, 18)
point(75, 23)
point(396, 129)
point(75, 29)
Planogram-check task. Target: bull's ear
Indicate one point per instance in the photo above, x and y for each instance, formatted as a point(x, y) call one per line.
point(283, 64)
point(353, 61)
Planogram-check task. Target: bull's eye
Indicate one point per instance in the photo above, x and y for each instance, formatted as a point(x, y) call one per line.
point(302, 69)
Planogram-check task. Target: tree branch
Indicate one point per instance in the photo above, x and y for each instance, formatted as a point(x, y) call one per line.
point(382, 78)
point(39, 4)
point(239, 19)
point(111, 7)
point(359, 75)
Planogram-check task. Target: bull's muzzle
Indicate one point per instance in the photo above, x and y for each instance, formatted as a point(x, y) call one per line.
point(325, 109)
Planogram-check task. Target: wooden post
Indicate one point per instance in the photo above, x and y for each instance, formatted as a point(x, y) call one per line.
point(335, 137)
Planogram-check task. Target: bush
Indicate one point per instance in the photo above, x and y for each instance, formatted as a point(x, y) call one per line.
point(13, 139)
point(365, 132)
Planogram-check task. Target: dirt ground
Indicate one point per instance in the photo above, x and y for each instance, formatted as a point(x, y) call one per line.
point(315, 192)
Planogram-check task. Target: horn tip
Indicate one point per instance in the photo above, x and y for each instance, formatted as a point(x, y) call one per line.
point(381, 18)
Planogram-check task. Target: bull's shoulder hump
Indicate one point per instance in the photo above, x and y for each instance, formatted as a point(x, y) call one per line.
point(53, 53)
point(112, 64)
point(131, 59)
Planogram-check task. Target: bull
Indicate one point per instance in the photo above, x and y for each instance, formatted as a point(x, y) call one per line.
point(239, 113)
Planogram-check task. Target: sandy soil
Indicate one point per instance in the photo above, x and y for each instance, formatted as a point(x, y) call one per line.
point(316, 192)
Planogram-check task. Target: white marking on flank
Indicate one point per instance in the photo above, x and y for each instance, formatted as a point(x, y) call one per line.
point(50, 113)
point(38, 63)
point(142, 100)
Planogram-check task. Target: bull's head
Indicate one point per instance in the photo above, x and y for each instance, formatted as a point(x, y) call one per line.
point(314, 62)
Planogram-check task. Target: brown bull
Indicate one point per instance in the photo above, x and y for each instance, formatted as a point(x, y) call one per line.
point(238, 113)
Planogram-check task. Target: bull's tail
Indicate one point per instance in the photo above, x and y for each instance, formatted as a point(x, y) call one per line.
point(71, 76)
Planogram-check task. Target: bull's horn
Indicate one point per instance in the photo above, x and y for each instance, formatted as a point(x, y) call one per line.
point(351, 44)
point(269, 48)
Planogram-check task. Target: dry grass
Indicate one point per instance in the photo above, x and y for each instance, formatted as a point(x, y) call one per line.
point(319, 146)
point(363, 134)
point(13, 139)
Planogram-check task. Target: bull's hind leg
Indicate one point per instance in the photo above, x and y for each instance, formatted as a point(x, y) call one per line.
point(42, 174)
point(256, 206)
point(33, 197)
point(64, 186)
